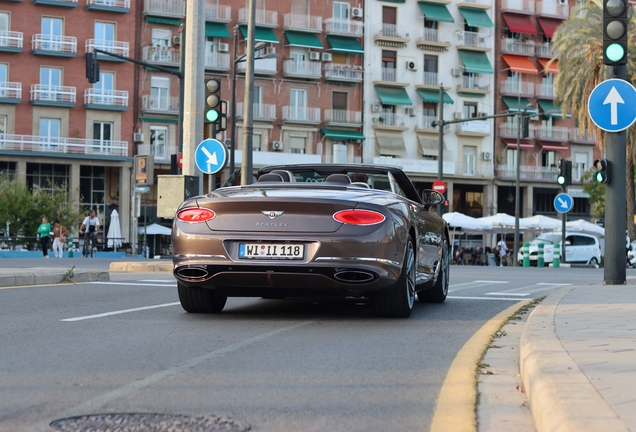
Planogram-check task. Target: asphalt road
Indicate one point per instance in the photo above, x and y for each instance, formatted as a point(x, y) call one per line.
point(126, 346)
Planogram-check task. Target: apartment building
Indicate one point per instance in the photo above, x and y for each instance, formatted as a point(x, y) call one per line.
point(55, 127)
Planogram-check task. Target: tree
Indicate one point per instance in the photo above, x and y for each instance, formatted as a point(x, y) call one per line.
point(16, 206)
point(596, 191)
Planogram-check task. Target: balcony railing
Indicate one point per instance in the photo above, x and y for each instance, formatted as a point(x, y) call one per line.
point(586, 135)
point(545, 90)
point(417, 165)
point(262, 67)
point(430, 78)
point(435, 36)
point(343, 116)
point(301, 114)
point(120, 4)
point(161, 55)
point(426, 122)
point(392, 119)
point(341, 26)
point(553, 8)
point(260, 111)
point(165, 105)
point(303, 22)
point(217, 61)
point(217, 12)
point(263, 17)
point(550, 132)
point(477, 2)
point(338, 72)
point(511, 45)
point(10, 40)
point(509, 128)
point(472, 39)
point(115, 47)
point(61, 44)
point(302, 68)
point(171, 8)
point(31, 143)
point(389, 31)
point(348, 159)
point(160, 152)
point(388, 74)
point(476, 168)
point(528, 172)
point(474, 82)
point(49, 93)
point(10, 90)
point(516, 87)
point(518, 5)
point(544, 49)
point(114, 98)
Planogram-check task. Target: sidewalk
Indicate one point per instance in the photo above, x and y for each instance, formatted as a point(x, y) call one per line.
point(578, 359)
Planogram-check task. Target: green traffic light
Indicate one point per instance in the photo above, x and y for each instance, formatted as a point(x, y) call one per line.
point(615, 52)
point(561, 180)
point(212, 116)
point(600, 177)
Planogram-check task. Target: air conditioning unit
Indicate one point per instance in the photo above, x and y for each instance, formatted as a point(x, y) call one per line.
point(176, 40)
point(356, 12)
point(270, 50)
point(138, 137)
point(411, 65)
point(482, 114)
point(456, 72)
point(314, 56)
point(326, 57)
point(486, 155)
point(457, 116)
point(410, 111)
point(223, 47)
point(277, 145)
point(376, 107)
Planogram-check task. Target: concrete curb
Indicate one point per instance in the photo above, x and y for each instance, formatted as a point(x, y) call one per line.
point(561, 396)
point(52, 276)
point(141, 266)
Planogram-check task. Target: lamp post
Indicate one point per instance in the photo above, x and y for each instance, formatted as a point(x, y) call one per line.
point(248, 109)
point(520, 115)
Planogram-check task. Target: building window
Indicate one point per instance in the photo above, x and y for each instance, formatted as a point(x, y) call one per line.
point(511, 158)
point(104, 89)
point(430, 70)
point(548, 159)
point(389, 21)
point(104, 34)
point(470, 110)
point(297, 145)
point(298, 104)
point(49, 133)
point(340, 16)
point(470, 158)
point(93, 188)
point(388, 65)
point(102, 136)
point(50, 83)
point(52, 33)
point(159, 93)
point(257, 93)
point(47, 176)
point(580, 165)
point(3, 124)
point(256, 142)
point(161, 38)
point(7, 168)
point(4, 22)
point(4, 75)
point(159, 141)
point(544, 202)
point(429, 114)
point(430, 30)
point(339, 104)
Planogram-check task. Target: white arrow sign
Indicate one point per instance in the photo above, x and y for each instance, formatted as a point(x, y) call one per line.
point(211, 156)
point(562, 202)
point(613, 98)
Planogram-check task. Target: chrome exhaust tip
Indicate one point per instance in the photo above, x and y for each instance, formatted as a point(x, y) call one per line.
point(198, 272)
point(354, 276)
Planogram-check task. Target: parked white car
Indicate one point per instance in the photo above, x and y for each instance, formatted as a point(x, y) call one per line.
point(580, 248)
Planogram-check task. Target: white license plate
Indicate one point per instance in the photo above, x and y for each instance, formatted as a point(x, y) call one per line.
point(281, 251)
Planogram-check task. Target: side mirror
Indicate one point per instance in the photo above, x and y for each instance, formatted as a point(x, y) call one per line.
point(431, 197)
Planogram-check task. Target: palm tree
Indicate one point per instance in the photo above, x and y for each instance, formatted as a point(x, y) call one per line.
point(579, 44)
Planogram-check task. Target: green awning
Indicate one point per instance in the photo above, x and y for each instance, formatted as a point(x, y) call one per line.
point(261, 34)
point(217, 30)
point(477, 18)
point(513, 104)
point(340, 134)
point(432, 96)
point(345, 45)
point(551, 109)
point(476, 62)
point(163, 21)
point(306, 40)
point(393, 96)
point(158, 120)
point(471, 95)
point(436, 12)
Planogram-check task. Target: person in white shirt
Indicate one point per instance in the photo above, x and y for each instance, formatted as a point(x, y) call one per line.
point(504, 251)
point(91, 226)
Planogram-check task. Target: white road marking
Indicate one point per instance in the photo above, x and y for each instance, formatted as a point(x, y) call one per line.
point(482, 298)
point(495, 282)
point(118, 312)
point(474, 284)
point(508, 294)
point(477, 282)
point(157, 280)
point(553, 284)
point(133, 284)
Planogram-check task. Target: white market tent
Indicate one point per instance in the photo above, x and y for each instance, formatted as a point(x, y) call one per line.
point(155, 229)
point(540, 223)
point(466, 223)
point(584, 226)
point(500, 220)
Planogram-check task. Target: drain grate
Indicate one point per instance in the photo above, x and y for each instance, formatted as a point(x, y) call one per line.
point(147, 422)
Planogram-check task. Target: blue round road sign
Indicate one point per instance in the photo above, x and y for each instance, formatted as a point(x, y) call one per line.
point(563, 203)
point(611, 105)
point(210, 156)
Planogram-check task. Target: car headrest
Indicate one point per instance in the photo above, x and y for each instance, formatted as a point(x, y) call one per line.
point(338, 178)
point(270, 177)
point(284, 174)
point(361, 184)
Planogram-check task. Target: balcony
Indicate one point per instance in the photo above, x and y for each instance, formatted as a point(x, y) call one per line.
point(337, 159)
point(302, 69)
point(217, 61)
point(509, 129)
point(344, 27)
point(425, 125)
point(55, 145)
point(154, 104)
point(162, 56)
point(10, 41)
point(109, 100)
point(293, 114)
point(261, 112)
point(10, 92)
point(476, 169)
point(527, 172)
point(58, 46)
point(474, 4)
point(479, 84)
point(545, 50)
point(59, 3)
point(264, 18)
point(218, 13)
point(516, 46)
point(388, 77)
point(549, 133)
point(545, 91)
point(161, 153)
point(55, 96)
point(261, 67)
point(165, 8)
point(526, 7)
point(389, 35)
point(585, 136)
point(343, 73)
point(553, 9)
point(434, 40)
point(472, 40)
point(344, 118)
point(391, 121)
point(305, 23)
point(115, 47)
point(475, 128)
point(512, 87)
point(120, 6)
point(416, 166)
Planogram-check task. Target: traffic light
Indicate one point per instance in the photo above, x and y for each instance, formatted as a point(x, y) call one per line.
point(92, 68)
point(565, 173)
point(614, 32)
point(222, 122)
point(603, 171)
point(212, 101)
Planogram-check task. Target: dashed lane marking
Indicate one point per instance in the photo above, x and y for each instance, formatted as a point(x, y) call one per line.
point(134, 284)
point(508, 294)
point(87, 317)
point(482, 298)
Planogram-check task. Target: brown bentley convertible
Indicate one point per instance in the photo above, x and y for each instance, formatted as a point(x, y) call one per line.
point(313, 231)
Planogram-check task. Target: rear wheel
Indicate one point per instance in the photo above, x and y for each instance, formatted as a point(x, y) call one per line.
point(398, 302)
point(594, 262)
point(439, 291)
point(200, 300)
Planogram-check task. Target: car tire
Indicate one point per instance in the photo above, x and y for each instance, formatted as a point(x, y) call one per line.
point(398, 302)
point(439, 291)
point(594, 262)
point(200, 300)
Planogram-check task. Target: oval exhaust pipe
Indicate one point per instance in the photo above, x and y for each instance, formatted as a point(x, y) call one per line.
point(193, 272)
point(354, 276)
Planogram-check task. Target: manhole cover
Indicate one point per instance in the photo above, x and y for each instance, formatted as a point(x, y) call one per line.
point(147, 423)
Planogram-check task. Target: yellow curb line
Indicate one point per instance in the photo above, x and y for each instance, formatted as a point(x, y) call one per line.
point(456, 403)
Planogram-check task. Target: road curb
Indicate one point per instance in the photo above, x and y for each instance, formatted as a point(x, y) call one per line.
point(141, 266)
point(561, 396)
point(52, 276)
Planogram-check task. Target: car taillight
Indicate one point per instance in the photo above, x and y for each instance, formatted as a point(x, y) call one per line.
point(359, 217)
point(195, 214)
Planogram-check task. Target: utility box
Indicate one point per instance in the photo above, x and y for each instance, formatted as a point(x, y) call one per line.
point(172, 190)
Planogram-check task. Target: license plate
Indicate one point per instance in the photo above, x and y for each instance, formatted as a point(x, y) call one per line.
point(278, 251)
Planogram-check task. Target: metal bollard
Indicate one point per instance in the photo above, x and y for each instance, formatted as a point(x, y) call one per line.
point(556, 258)
point(540, 256)
point(69, 241)
point(526, 254)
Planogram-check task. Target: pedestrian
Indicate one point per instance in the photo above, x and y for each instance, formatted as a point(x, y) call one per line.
point(504, 251)
point(477, 256)
point(44, 231)
point(498, 255)
point(91, 225)
point(59, 238)
point(458, 255)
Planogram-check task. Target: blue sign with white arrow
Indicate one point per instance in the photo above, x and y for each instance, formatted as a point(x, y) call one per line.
point(611, 105)
point(563, 203)
point(210, 156)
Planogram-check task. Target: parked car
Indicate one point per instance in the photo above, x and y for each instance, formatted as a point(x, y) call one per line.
point(309, 231)
point(580, 248)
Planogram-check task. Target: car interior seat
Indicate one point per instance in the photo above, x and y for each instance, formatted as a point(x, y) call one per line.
point(270, 177)
point(284, 174)
point(338, 178)
point(361, 184)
